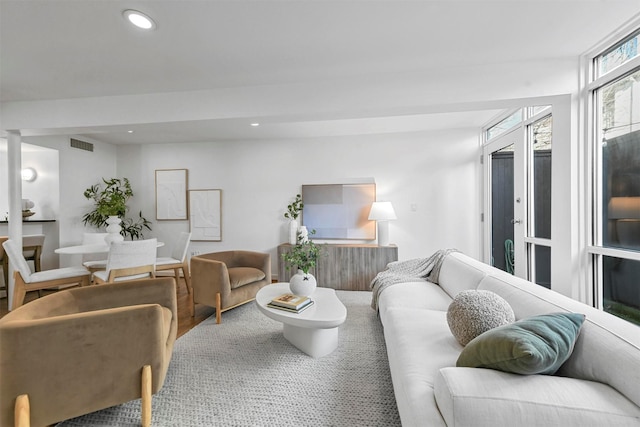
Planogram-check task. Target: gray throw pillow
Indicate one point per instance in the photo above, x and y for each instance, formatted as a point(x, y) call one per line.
point(535, 345)
point(474, 312)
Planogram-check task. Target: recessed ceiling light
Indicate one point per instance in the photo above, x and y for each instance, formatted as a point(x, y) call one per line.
point(139, 19)
point(129, 131)
point(255, 124)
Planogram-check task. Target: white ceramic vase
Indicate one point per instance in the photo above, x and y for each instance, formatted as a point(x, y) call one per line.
point(302, 284)
point(293, 231)
point(303, 234)
point(113, 230)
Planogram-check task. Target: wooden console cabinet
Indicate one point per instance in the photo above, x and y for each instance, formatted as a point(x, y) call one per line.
point(346, 267)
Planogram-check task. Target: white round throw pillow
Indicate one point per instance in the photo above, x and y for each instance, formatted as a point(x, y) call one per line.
point(473, 312)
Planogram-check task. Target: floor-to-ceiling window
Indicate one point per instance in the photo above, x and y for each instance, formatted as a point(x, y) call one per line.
point(614, 133)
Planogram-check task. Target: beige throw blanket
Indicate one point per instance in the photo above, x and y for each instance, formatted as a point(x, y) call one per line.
point(414, 270)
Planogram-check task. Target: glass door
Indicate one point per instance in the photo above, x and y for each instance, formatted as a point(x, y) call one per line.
point(538, 239)
point(518, 202)
point(504, 162)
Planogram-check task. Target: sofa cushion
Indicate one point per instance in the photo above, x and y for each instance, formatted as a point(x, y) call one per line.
point(240, 276)
point(484, 397)
point(423, 295)
point(418, 344)
point(536, 345)
point(473, 312)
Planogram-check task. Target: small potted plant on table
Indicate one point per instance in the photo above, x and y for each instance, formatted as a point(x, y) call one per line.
point(303, 256)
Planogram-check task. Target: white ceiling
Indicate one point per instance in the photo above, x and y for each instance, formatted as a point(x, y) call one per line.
point(64, 49)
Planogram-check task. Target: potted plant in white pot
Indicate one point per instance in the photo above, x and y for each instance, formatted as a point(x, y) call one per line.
point(303, 256)
point(110, 209)
point(292, 214)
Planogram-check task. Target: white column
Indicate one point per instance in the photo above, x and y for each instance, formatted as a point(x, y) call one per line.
point(14, 160)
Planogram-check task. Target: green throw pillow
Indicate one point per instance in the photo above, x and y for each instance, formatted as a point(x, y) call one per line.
point(535, 345)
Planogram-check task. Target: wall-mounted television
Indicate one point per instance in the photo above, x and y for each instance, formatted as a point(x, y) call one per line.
point(339, 211)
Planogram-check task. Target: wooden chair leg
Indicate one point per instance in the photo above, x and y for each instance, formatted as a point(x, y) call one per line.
point(218, 309)
point(19, 291)
point(22, 412)
point(5, 272)
point(176, 275)
point(146, 396)
point(192, 305)
point(175, 282)
point(85, 281)
point(187, 276)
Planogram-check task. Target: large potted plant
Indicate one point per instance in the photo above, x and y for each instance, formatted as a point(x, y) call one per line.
point(303, 256)
point(110, 210)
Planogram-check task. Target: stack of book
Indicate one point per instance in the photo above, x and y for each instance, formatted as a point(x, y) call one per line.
point(291, 302)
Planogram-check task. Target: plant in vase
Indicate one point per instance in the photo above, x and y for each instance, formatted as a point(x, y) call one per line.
point(110, 209)
point(303, 256)
point(293, 212)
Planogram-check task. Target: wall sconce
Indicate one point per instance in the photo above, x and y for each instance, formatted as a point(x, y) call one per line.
point(382, 212)
point(29, 174)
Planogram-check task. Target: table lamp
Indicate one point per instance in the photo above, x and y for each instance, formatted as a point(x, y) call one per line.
point(382, 212)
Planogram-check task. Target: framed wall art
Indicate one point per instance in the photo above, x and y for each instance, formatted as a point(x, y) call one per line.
point(171, 195)
point(205, 215)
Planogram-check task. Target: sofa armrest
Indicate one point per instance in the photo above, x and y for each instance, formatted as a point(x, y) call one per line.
point(82, 362)
point(485, 397)
point(266, 266)
point(208, 277)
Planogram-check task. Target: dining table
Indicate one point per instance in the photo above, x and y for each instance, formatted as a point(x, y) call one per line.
point(87, 249)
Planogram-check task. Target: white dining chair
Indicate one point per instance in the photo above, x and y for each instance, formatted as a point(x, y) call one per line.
point(32, 251)
point(26, 281)
point(178, 260)
point(94, 262)
point(129, 260)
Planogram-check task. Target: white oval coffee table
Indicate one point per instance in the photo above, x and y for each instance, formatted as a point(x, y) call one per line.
point(314, 330)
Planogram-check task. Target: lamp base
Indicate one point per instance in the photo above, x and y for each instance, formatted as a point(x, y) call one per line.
point(383, 233)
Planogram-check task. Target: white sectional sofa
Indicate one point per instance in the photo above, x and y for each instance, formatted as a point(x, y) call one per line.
point(599, 385)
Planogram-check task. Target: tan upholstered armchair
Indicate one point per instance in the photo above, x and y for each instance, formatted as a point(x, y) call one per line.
point(225, 280)
point(85, 349)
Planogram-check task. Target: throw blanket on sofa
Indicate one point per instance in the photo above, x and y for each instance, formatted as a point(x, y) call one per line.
point(413, 270)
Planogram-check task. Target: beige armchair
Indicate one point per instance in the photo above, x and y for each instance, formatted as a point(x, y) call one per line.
point(225, 280)
point(85, 349)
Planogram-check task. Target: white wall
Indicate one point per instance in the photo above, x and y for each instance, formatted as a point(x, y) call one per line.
point(438, 172)
point(78, 170)
point(43, 191)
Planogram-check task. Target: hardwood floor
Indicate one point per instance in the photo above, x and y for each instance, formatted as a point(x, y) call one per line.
point(185, 321)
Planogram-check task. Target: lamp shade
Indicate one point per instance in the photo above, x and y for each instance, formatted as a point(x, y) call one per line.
point(624, 208)
point(382, 211)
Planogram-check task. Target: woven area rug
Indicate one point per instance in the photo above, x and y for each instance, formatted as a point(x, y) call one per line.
point(244, 373)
